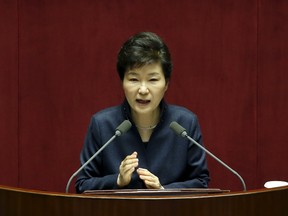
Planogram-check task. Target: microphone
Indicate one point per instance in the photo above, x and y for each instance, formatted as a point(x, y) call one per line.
point(120, 130)
point(179, 130)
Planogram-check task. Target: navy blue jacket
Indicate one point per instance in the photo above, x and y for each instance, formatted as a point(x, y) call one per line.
point(173, 159)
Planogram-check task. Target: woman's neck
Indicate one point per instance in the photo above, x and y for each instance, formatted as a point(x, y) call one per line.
point(145, 125)
point(146, 121)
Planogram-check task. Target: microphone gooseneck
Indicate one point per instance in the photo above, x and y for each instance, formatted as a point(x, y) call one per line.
point(120, 130)
point(179, 130)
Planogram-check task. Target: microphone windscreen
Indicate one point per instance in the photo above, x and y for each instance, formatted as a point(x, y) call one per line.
point(177, 128)
point(124, 127)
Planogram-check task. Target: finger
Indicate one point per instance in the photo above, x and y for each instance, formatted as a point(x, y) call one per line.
point(143, 171)
point(147, 178)
point(128, 168)
point(127, 165)
point(133, 155)
point(152, 184)
point(130, 161)
point(150, 180)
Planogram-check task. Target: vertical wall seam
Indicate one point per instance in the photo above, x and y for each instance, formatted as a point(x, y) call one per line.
point(18, 96)
point(257, 94)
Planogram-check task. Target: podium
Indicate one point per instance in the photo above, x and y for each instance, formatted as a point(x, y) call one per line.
point(200, 202)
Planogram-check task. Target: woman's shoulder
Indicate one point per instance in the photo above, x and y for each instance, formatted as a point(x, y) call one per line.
point(108, 113)
point(182, 115)
point(179, 110)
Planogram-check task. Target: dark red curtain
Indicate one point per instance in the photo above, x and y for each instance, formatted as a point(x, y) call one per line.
point(58, 67)
point(9, 101)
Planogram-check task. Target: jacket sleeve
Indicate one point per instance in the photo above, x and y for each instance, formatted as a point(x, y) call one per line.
point(91, 177)
point(196, 174)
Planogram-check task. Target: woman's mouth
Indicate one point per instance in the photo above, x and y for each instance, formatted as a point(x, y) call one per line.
point(141, 101)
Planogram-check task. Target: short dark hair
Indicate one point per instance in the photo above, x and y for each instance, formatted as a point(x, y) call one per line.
point(141, 49)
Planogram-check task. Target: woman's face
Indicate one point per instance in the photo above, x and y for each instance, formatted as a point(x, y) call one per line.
point(144, 88)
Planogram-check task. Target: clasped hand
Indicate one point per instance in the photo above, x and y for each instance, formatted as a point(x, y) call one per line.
point(128, 166)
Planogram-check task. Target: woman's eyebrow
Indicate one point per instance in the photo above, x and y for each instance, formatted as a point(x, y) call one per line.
point(154, 74)
point(132, 73)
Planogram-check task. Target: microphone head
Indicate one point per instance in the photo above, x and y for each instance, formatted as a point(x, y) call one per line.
point(123, 127)
point(178, 129)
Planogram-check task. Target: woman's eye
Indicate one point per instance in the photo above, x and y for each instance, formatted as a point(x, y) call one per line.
point(133, 80)
point(154, 80)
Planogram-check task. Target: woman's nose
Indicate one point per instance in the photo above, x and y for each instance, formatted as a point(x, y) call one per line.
point(143, 89)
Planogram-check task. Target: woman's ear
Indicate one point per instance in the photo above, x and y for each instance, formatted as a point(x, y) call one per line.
point(167, 85)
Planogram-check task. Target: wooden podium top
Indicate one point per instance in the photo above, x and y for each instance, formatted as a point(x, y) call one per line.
point(155, 194)
point(183, 202)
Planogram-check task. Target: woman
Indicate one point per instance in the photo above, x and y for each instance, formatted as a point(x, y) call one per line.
point(149, 155)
